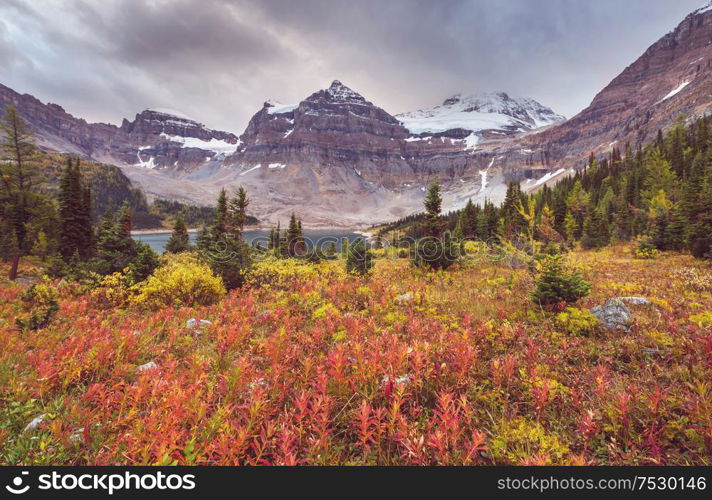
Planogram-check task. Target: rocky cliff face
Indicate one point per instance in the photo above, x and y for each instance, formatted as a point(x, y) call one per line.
point(154, 139)
point(672, 78)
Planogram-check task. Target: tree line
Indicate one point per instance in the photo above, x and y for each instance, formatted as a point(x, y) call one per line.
point(660, 195)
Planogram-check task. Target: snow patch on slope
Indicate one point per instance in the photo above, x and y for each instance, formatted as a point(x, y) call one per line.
point(675, 91)
point(277, 108)
point(216, 145)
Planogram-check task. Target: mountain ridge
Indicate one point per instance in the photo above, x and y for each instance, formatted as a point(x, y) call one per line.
point(337, 158)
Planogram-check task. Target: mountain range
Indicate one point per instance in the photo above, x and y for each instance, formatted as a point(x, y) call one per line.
point(336, 158)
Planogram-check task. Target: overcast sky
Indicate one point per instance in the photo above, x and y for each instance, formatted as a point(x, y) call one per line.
point(219, 60)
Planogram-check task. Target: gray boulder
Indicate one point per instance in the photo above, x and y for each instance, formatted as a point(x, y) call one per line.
point(406, 297)
point(194, 323)
point(34, 423)
point(614, 315)
point(148, 366)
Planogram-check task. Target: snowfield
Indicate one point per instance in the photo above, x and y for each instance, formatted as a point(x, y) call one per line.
point(478, 112)
point(216, 145)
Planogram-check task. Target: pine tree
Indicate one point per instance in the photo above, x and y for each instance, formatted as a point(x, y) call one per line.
point(225, 250)
point(359, 259)
point(595, 231)
point(577, 202)
point(220, 226)
point(433, 205)
point(18, 178)
point(180, 239)
point(75, 220)
point(237, 210)
point(513, 220)
point(437, 250)
point(330, 249)
point(295, 242)
point(203, 241)
point(116, 250)
point(458, 233)
point(700, 237)
point(555, 285)
point(658, 213)
point(345, 247)
point(469, 220)
point(658, 176)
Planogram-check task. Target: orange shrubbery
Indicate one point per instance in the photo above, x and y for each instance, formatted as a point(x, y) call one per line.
point(329, 368)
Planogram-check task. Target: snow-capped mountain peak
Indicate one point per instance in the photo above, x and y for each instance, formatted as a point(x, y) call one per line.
point(340, 92)
point(492, 111)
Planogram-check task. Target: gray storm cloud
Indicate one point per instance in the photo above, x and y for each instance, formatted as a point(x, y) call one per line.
point(218, 60)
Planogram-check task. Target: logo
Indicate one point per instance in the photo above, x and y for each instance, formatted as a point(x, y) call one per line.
point(17, 483)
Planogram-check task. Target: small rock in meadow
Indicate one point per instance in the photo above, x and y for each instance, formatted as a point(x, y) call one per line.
point(148, 366)
point(651, 350)
point(34, 423)
point(613, 316)
point(406, 297)
point(636, 301)
point(400, 380)
point(266, 312)
point(193, 323)
point(77, 436)
point(258, 382)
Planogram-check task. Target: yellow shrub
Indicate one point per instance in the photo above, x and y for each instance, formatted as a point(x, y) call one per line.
point(521, 439)
point(182, 280)
point(41, 294)
point(114, 290)
point(576, 321)
point(280, 273)
point(703, 320)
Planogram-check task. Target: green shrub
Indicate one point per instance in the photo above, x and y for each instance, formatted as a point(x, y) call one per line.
point(359, 259)
point(40, 301)
point(436, 253)
point(646, 250)
point(555, 285)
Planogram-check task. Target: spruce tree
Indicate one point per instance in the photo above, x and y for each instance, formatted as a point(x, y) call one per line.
point(513, 220)
point(555, 285)
point(220, 225)
point(225, 250)
point(203, 241)
point(18, 178)
point(295, 241)
point(180, 239)
point(595, 231)
point(438, 249)
point(469, 221)
point(359, 259)
point(237, 213)
point(75, 220)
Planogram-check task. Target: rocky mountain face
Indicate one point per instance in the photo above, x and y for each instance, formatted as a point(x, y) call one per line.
point(337, 159)
point(339, 154)
point(155, 138)
point(672, 78)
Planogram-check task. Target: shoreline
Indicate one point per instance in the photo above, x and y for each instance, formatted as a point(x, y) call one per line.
point(139, 232)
